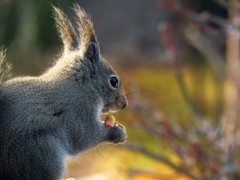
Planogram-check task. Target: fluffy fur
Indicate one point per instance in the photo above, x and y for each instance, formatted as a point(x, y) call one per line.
point(5, 67)
point(46, 118)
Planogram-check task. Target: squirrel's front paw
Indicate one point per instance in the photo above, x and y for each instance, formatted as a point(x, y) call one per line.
point(116, 134)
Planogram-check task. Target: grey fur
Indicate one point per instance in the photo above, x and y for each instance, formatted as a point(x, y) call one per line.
point(46, 118)
point(5, 67)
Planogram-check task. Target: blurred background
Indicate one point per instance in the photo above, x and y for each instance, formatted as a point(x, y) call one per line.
point(180, 63)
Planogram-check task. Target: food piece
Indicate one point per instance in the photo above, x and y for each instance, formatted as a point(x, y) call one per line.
point(109, 121)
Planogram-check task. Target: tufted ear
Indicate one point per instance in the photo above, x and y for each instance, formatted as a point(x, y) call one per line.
point(87, 38)
point(91, 56)
point(85, 27)
point(65, 30)
point(5, 67)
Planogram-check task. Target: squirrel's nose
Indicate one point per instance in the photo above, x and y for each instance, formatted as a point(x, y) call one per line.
point(124, 105)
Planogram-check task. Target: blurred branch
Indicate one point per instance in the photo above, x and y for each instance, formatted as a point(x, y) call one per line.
point(172, 50)
point(204, 46)
point(197, 39)
point(206, 17)
point(232, 89)
point(137, 171)
point(159, 158)
point(190, 15)
point(222, 3)
point(183, 88)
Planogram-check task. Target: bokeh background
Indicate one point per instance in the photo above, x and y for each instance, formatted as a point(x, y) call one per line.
point(180, 63)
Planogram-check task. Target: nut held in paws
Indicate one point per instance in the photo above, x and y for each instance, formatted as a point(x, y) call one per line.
point(109, 121)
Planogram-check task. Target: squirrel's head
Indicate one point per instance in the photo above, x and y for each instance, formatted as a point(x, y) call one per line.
point(104, 79)
point(83, 51)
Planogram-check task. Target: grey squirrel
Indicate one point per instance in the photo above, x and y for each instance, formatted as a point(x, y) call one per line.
point(46, 118)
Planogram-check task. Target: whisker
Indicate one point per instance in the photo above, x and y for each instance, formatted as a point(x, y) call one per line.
point(132, 92)
point(109, 104)
point(130, 98)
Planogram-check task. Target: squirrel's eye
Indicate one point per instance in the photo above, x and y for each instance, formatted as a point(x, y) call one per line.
point(113, 82)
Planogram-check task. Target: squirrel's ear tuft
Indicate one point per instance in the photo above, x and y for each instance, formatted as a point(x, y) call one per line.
point(66, 30)
point(91, 57)
point(85, 27)
point(5, 67)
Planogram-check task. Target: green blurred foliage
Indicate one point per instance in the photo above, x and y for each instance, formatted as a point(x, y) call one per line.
point(27, 30)
point(29, 23)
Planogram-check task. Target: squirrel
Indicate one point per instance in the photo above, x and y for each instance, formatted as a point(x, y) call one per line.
point(46, 118)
